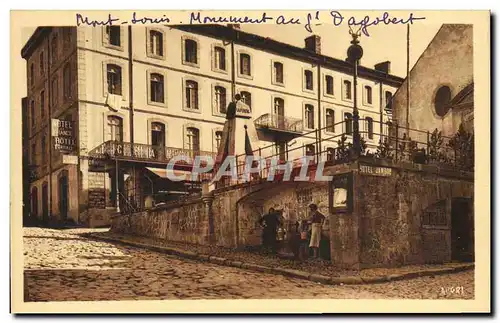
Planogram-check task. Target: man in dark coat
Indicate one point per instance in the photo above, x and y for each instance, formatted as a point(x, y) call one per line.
point(270, 223)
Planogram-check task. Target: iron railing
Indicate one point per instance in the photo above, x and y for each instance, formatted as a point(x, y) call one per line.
point(278, 122)
point(142, 152)
point(377, 140)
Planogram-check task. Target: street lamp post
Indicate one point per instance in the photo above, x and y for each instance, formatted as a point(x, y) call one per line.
point(354, 54)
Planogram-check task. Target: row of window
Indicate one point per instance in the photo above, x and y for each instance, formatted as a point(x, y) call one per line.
point(190, 57)
point(191, 100)
point(54, 54)
point(54, 88)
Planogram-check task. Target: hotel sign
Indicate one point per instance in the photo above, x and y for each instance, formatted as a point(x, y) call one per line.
point(375, 171)
point(63, 132)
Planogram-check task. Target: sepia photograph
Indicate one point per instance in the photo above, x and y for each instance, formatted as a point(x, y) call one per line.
point(250, 155)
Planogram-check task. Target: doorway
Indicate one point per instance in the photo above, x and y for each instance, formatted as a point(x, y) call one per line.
point(63, 195)
point(462, 229)
point(45, 202)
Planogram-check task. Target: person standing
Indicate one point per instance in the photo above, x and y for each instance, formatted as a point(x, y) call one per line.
point(270, 223)
point(317, 220)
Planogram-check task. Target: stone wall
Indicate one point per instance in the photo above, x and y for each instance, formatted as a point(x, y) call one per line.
point(186, 222)
point(390, 211)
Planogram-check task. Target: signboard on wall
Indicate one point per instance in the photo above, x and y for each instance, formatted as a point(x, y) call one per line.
point(341, 194)
point(97, 198)
point(63, 132)
point(375, 170)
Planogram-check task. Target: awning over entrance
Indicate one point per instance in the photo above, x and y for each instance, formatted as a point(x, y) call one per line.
point(162, 172)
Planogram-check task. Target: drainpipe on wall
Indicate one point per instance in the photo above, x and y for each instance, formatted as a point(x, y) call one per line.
point(130, 89)
point(233, 72)
point(319, 109)
point(49, 90)
point(381, 111)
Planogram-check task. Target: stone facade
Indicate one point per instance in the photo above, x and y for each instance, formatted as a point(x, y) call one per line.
point(403, 216)
point(447, 61)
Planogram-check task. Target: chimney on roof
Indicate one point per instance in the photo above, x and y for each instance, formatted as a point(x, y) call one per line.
point(313, 43)
point(384, 67)
point(234, 26)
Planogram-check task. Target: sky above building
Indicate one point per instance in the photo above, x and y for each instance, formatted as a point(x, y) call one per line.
point(385, 43)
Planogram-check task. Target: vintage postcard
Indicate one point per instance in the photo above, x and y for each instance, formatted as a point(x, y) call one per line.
point(245, 161)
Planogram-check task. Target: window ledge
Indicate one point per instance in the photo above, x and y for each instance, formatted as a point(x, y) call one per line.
point(191, 110)
point(151, 55)
point(197, 65)
point(115, 47)
point(218, 70)
point(308, 91)
point(158, 104)
point(245, 76)
point(278, 83)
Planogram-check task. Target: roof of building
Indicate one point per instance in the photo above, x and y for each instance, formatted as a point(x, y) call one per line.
point(34, 40)
point(258, 42)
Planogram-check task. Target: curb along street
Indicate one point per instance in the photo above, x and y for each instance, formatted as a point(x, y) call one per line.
point(327, 280)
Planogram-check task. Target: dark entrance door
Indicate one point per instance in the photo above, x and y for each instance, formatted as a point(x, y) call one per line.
point(45, 202)
point(462, 229)
point(63, 196)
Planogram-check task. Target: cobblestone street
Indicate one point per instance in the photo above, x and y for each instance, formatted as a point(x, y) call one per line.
point(62, 265)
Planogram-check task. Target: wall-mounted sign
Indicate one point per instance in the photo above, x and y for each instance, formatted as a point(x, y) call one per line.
point(97, 198)
point(341, 193)
point(70, 159)
point(63, 132)
point(376, 171)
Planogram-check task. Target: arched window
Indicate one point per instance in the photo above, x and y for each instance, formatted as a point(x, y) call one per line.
point(278, 72)
point(347, 90)
point(115, 128)
point(246, 97)
point(191, 51)
point(348, 123)
point(329, 84)
point(42, 63)
point(156, 42)
point(34, 202)
point(279, 106)
point(54, 93)
point(309, 116)
point(388, 100)
point(218, 139)
point(66, 81)
point(330, 120)
point(53, 49)
point(32, 112)
point(220, 99)
point(368, 94)
point(157, 134)
point(113, 34)
point(42, 103)
point(114, 77)
point(245, 66)
point(32, 74)
point(220, 58)
point(369, 127)
point(44, 150)
point(193, 140)
point(157, 88)
point(308, 76)
point(192, 95)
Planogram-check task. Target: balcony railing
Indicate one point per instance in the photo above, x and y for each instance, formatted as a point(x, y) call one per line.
point(142, 152)
point(277, 122)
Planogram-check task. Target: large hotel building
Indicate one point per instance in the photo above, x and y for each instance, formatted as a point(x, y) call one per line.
point(108, 106)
